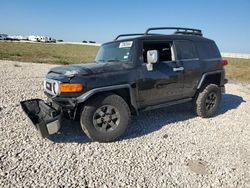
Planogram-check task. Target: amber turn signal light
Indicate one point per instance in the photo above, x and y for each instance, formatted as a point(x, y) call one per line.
point(71, 88)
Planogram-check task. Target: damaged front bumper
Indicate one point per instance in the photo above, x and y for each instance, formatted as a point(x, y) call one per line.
point(45, 118)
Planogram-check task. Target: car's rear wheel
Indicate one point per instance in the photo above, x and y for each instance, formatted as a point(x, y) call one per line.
point(105, 118)
point(208, 101)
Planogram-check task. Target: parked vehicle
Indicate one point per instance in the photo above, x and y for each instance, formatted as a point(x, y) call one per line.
point(51, 40)
point(140, 72)
point(21, 37)
point(47, 39)
point(12, 38)
point(3, 36)
point(34, 38)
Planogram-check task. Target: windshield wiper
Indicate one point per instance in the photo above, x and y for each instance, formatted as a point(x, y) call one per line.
point(109, 60)
point(101, 60)
point(113, 60)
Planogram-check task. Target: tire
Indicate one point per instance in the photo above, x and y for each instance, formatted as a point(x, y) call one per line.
point(208, 101)
point(105, 118)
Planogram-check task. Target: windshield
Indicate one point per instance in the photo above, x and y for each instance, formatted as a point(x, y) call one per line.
point(118, 51)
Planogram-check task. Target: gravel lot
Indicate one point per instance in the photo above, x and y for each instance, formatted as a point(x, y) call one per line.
point(162, 148)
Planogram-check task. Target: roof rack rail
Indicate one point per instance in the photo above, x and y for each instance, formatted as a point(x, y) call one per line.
point(128, 35)
point(179, 30)
point(134, 34)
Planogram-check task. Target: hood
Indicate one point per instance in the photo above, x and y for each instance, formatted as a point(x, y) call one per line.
point(89, 68)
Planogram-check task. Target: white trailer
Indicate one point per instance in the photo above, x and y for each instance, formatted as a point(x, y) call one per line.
point(33, 38)
point(21, 37)
point(40, 38)
point(47, 39)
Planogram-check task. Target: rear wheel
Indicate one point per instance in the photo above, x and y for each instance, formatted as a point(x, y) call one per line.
point(105, 118)
point(208, 101)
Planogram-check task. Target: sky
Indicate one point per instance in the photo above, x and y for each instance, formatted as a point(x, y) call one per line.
point(225, 21)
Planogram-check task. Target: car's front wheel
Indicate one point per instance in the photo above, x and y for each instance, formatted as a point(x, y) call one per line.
point(105, 118)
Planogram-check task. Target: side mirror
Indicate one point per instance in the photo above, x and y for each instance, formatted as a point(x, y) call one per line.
point(152, 57)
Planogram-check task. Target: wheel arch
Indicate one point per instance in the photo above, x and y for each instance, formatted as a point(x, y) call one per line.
point(125, 91)
point(215, 77)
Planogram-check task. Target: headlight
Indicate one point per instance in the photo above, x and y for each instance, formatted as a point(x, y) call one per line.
point(51, 86)
point(71, 88)
point(56, 88)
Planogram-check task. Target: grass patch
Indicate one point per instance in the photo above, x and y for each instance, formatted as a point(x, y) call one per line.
point(47, 53)
point(238, 69)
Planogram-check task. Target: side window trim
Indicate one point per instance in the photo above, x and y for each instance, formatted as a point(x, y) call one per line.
point(172, 48)
point(173, 51)
point(186, 59)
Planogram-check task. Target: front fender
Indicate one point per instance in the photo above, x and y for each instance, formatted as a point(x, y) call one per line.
point(84, 97)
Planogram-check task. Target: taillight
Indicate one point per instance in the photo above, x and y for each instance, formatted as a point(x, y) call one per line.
point(224, 62)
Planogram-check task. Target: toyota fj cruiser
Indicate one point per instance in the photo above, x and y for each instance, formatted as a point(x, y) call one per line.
point(142, 71)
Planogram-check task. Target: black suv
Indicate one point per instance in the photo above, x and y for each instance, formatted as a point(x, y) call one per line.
point(142, 71)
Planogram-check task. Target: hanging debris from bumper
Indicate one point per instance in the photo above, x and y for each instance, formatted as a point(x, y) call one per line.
point(45, 118)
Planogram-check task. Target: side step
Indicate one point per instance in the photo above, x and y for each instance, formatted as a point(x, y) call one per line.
point(167, 104)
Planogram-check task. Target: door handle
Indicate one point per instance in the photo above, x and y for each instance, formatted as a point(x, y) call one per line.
point(178, 69)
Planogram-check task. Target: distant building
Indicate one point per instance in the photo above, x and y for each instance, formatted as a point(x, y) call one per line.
point(3, 36)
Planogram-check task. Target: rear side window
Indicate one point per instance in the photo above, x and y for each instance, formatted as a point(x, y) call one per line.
point(185, 50)
point(208, 50)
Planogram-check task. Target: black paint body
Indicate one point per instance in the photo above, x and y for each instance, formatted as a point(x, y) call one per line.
point(150, 88)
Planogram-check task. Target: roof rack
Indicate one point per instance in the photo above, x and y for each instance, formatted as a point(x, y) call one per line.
point(179, 30)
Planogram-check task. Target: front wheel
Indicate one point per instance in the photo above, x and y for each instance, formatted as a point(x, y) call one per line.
point(208, 101)
point(105, 118)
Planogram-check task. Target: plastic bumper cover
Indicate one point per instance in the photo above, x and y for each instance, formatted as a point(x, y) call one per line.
point(45, 118)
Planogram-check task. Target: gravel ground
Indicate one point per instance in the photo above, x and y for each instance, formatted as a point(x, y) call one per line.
point(162, 148)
